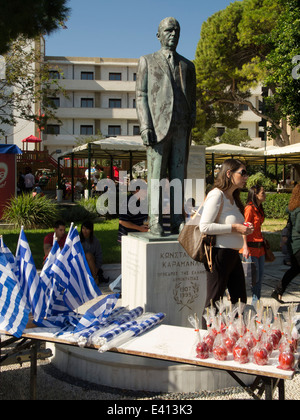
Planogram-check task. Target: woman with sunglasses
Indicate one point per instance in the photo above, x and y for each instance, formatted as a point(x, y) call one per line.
point(223, 203)
point(254, 213)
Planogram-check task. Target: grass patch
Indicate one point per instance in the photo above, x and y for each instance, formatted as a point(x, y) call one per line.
point(106, 231)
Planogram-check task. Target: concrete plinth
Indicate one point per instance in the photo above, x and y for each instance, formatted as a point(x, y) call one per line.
point(159, 276)
point(138, 373)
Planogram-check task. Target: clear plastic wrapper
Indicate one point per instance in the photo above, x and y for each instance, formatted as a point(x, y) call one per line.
point(221, 316)
point(219, 348)
point(260, 355)
point(286, 357)
point(240, 350)
point(250, 328)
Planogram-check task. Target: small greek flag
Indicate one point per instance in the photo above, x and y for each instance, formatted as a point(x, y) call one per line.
point(14, 310)
point(29, 279)
point(97, 313)
point(71, 272)
point(54, 292)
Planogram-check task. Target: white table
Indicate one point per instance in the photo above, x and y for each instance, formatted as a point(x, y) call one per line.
point(177, 344)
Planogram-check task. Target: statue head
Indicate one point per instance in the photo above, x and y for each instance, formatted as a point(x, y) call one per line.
point(168, 33)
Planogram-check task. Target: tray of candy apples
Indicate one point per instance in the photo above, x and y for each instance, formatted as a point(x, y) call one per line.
point(262, 337)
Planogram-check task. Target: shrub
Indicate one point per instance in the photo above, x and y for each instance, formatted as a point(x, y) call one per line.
point(275, 205)
point(31, 212)
point(82, 210)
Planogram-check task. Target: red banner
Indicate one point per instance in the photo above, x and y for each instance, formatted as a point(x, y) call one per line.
point(7, 179)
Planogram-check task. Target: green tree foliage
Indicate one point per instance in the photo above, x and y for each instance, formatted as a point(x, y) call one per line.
point(30, 18)
point(242, 46)
point(27, 88)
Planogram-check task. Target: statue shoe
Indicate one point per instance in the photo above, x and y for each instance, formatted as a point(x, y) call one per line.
point(156, 230)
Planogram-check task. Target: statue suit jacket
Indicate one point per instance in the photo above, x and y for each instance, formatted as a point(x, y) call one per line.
point(154, 92)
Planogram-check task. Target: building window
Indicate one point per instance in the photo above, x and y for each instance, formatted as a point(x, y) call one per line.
point(136, 130)
point(114, 130)
point(87, 103)
point(115, 76)
point(54, 74)
point(133, 104)
point(134, 77)
point(115, 103)
point(54, 102)
point(53, 129)
point(87, 75)
point(243, 107)
point(86, 130)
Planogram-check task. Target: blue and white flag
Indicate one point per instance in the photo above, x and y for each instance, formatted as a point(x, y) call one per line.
point(71, 271)
point(97, 313)
point(8, 254)
point(54, 292)
point(29, 279)
point(14, 308)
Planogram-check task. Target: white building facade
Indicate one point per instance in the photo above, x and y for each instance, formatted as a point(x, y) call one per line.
point(100, 100)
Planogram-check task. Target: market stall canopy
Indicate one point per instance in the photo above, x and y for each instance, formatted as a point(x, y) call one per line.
point(219, 152)
point(10, 149)
point(31, 139)
point(111, 147)
point(264, 155)
point(231, 149)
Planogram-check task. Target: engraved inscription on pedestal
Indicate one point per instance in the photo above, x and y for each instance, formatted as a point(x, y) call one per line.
point(161, 277)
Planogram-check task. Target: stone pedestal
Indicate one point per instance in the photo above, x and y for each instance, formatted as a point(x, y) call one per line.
point(159, 276)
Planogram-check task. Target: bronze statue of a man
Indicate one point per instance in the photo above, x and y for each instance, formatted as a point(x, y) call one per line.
point(166, 109)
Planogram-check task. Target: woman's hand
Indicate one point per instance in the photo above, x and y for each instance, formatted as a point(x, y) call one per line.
point(242, 229)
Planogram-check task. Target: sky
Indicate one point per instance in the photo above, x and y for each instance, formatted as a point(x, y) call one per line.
point(127, 28)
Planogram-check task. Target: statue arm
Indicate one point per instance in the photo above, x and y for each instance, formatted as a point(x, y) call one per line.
point(142, 103)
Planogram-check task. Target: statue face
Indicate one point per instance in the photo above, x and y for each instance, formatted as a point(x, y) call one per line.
point(168, 34)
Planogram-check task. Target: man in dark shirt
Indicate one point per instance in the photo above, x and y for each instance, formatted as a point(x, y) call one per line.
point(129, 222)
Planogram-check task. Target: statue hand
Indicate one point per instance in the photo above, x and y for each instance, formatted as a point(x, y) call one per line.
point(148, 137)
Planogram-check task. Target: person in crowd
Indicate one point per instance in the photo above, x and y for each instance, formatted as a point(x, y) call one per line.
point(29, 180)
point(224, 204)
point(254, 214)
point(294, 214)
point(60, 235)
point(92, 250)
point(130, 222)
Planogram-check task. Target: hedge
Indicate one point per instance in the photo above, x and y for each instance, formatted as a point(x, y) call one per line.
point(275, 205)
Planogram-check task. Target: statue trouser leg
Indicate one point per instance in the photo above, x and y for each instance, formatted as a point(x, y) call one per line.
point(157, 170)
point(177, 174)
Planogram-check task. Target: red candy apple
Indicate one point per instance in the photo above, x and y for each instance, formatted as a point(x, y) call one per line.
point(209, 340)
point(286, 360)
point(202, 350)
point(260, 356)
point(268, 344)
point(229, 342)
point(240, 353)
point(220, 352)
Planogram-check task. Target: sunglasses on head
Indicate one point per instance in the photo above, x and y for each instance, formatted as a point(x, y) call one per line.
point(243, 172)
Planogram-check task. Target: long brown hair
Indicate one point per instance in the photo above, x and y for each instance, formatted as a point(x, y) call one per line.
point(224, 183)
point(295, 198)
point(252, 197)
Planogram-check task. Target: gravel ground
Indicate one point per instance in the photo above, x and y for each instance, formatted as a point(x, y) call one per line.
point(52, 384)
